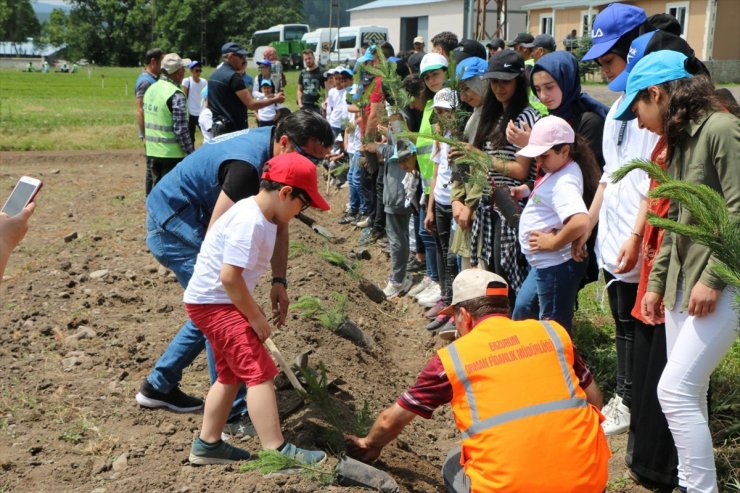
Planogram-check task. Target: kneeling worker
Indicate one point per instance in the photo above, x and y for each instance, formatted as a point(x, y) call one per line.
point(523, 400)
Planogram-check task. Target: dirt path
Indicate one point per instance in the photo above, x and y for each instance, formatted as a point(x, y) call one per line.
point(83, 321)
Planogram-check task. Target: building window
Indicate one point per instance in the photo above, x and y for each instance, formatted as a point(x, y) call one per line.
point(587, 23)
point(681, 12)
point(546, 24)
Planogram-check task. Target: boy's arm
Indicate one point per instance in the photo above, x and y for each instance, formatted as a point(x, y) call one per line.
point(236, 288)
point(279, 264)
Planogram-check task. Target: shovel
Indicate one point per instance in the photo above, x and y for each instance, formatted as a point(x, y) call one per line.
point(311, 223)
point(284, 366)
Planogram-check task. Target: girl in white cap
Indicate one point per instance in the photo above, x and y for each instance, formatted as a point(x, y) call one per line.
point(555, 216)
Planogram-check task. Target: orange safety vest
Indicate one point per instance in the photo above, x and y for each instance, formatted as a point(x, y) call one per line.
point(525, 421)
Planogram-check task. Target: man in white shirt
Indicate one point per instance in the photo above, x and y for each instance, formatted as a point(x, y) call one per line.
point(193, 88)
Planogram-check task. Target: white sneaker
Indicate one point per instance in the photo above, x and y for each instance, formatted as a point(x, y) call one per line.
point(420, 286)
point(609, 407)
point(618, 421)
point(431, 300)
point(432, 288)
point(364, 222)
point(393, 289)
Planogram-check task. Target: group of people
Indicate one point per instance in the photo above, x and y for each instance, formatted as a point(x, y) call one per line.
point(504, 247)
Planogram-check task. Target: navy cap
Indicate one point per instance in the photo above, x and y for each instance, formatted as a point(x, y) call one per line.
point(653, 69)
point(232, 47)
point(611, 24)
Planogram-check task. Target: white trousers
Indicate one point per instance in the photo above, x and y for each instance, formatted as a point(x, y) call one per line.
point(695, 348)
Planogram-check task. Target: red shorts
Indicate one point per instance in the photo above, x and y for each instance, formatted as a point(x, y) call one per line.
point(240, 356)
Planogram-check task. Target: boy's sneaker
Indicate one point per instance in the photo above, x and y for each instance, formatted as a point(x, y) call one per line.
point(432, 290)
point(364, 222)
point(430, 299)
point(349, 218)
point(396, 289)
point(202, 453)
point(307, 457)
point(448, 332)
point(239, 426)
point(175, 399)
point(420, 286)
point(618, 420)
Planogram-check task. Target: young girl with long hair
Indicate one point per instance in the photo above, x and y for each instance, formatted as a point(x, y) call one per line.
point(702, 145)
point(556, 215)
point(506, 101)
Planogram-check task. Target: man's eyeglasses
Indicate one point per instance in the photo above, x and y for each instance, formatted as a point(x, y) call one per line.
point(299, 150)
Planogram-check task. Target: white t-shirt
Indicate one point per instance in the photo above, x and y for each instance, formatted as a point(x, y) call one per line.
point(621, 200)
point(268, 113)
point(336, 107)
point(195, 89)
point(443, 185)
point(354, 140)
point(241, 237)
point(205, 122)
point(555, 198)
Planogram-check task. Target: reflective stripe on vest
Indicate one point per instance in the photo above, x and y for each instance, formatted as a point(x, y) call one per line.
point(161, 140)
point(478, 426)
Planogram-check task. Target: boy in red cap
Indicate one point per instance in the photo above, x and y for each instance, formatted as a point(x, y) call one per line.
point(235, 253)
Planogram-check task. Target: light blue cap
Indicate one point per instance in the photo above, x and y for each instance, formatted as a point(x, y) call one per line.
point(653, 69)
point(471, 67)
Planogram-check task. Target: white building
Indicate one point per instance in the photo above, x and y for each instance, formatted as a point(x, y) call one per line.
point(407, 19)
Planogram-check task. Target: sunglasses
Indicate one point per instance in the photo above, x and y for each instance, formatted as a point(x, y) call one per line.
point(313, 159)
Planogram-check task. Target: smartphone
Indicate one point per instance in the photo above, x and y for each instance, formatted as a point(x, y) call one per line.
point(23, 193)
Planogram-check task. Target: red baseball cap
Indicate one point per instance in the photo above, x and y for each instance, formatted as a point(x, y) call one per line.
point(297, 171)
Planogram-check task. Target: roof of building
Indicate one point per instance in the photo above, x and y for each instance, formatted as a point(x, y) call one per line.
point(381, 4)
point(8, 48)
point(563, 4)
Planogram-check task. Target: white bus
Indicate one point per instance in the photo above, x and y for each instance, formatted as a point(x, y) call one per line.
point(281, 32)
point(354, 39)
point(321, 41)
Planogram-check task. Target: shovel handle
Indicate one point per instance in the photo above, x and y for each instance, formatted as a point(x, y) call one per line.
point(284, 365)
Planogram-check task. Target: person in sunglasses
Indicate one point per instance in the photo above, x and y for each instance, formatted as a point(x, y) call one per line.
point(193, 88)
point(181, 208)
point(228, 96)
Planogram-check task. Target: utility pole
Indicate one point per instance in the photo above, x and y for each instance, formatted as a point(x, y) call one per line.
point(203, 32)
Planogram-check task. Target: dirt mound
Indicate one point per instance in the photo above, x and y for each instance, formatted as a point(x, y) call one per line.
point(84, 320)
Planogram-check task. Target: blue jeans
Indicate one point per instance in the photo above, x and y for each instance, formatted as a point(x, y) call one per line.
point(177, 253)
point(430, 246)
point(550, 293)
point(357, 199)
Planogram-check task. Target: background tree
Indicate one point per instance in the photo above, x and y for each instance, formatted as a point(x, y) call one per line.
point(18, 21)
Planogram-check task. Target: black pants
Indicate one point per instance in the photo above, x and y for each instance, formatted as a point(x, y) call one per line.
point(379, 216)
point(156, 168)
point(192, 125)
point(446, 262)
point(651, 452)
point(621, 300)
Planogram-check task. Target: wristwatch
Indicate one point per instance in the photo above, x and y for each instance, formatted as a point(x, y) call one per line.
point(280, 280)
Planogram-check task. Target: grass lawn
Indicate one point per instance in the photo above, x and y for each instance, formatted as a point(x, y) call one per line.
point(93, 110)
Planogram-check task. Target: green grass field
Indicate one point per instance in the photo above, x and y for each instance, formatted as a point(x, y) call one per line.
point(92, 110)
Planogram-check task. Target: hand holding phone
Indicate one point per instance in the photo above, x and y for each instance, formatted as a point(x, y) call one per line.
point(23, 194)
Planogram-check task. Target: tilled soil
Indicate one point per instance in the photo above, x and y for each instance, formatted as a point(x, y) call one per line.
point(86, 311)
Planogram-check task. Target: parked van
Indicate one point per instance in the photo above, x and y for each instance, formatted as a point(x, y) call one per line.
point(286, 39)
point(352, 41)
point(321, 41)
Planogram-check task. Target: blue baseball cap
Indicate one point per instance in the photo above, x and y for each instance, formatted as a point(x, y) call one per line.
point(653, 69)
point(611, 24)
point(645, 44)
point(471, 67)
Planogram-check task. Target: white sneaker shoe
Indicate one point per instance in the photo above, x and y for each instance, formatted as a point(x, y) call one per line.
point(609, 407)
point(420, 286)
point(618, 421)
point(432, 288)
point(429, 295)
point(393, 289)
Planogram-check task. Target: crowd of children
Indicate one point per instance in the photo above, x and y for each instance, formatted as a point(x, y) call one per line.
point(544, 214)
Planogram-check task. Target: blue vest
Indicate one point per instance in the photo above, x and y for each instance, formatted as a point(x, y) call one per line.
point(183, 200)
point(223, 102)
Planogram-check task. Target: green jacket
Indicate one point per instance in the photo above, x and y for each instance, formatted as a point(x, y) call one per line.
point(159, 131)
point(710, 156)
